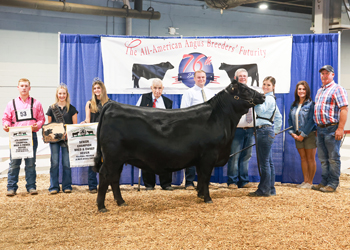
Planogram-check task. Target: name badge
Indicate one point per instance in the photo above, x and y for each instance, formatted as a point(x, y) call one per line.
point(24, 115)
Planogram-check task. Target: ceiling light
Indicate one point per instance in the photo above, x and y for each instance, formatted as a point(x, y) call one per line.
point(263, 6)
point(172, 30)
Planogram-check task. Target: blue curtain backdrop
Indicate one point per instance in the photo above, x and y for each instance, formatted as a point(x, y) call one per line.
point(81, 62)
point(310, 53)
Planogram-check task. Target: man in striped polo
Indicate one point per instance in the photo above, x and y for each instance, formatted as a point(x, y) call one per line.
point(331, 110)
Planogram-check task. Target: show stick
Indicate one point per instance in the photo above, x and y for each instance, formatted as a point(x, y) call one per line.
point(255, 143)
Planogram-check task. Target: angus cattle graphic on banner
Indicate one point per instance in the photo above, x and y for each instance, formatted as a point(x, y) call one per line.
point(21, 142)
point(82, 144)
point(130, 63)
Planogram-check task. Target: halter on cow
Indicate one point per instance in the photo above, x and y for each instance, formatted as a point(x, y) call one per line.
point(169, 140)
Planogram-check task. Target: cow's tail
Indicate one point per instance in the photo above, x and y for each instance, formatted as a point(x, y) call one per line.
point(99, 157)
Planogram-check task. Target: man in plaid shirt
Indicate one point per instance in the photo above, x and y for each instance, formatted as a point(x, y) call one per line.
point(331, 110)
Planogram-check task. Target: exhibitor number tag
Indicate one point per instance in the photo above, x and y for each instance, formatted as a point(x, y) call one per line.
point(24, 115)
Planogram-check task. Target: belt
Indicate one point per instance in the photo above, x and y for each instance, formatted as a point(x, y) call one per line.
point(264, 126)
point(327, 125)
point(245, 128)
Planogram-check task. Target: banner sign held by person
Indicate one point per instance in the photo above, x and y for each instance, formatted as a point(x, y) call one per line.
point(21, 142)
point(131, 63)
point(82, 144)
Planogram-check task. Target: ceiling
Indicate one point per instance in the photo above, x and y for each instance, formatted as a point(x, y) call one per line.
point(297, 6)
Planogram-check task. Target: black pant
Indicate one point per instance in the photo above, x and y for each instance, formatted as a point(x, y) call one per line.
point(149, 179)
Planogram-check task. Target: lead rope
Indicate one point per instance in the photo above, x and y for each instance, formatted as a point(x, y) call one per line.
point(256, 142)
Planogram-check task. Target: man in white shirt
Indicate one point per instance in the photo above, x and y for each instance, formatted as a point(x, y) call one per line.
point(237, 167)
point(195, 95)
point(155, 99)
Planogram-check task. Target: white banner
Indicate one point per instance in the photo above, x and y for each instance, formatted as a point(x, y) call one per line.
point(21, 142)
point(130, 64)
point(82, 142)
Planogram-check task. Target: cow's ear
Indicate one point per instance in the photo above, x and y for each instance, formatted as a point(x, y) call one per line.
point(234, 84)
point(234, 80)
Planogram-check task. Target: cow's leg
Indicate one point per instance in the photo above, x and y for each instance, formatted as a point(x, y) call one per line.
point(200, 185)
point(116, 188)
point(136, 82)
point(206, 174)
point(101, 196)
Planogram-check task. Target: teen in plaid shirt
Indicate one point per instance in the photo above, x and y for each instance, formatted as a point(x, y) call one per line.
point(331, 110)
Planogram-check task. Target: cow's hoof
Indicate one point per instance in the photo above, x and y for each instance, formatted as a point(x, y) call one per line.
point(103, 210)
point(209, 202)
point(122, 204)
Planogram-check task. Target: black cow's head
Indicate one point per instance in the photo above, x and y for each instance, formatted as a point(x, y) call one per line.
point(223, 66)
point(168, 65)
point(244, 96)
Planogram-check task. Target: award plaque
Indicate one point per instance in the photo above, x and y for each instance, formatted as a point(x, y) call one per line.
point(53, 132)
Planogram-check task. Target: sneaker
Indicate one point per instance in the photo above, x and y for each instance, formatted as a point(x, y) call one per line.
point(248, 185)
point(11, 193)
point(327, 189)
point(255, 194)
point(93, 191)
point(232, 186)
point(67, 191)
point(190, 188)
point(149, 188)
point(306, 186)
point(53, 192)
point(301, 185)
point(211, 186)
point(169, 188)
point(317, 187)
point(32, 191)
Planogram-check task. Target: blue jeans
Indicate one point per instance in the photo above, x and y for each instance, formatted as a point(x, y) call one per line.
point(237, 167)
point(54, 169)
point(328, 154)
point(265, 137)
point(190, 174)
point(14, 168)
point(92, 180)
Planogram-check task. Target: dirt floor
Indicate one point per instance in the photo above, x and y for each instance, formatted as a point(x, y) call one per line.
point(294, 219)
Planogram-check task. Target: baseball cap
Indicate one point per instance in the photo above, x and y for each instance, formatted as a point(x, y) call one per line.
point(329, 68)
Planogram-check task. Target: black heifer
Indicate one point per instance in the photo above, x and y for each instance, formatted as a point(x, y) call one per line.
point(149, 71)
point(165, 140)
point(251, 68)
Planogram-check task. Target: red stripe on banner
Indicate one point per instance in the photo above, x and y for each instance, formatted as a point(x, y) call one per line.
point(346, 132)
point(176, 80)
point(215, 80)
